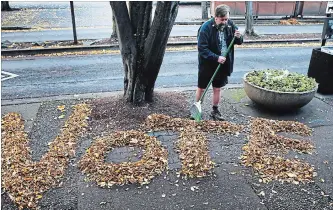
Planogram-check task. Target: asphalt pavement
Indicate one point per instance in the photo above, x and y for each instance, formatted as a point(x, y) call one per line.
point(70, 75)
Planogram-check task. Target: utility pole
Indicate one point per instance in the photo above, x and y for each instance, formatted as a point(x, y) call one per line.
point(73, 22)
point(249, 18)
point(204, 11)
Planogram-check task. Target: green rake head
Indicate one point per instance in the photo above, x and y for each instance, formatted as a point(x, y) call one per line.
point(196, 111)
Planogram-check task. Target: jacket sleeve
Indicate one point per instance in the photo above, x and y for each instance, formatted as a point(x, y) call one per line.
point(238, 41)
point(203, 49)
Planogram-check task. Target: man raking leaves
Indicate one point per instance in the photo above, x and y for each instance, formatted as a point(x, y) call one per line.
point(216, 59)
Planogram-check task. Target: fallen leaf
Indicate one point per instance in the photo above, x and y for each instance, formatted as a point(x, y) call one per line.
point(291, 175)
point(193, 188)
point(262, 193)
point(61, 116)
point(61, 108)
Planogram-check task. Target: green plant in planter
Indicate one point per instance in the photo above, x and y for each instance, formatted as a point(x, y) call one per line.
point(281, 80)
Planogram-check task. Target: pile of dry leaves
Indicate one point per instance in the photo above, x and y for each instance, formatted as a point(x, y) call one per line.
point(263, 151)
point(291, 21)
point(25, 180)
point(153, 162)
point(192, 143)
point(160, 122)
point(192, 147)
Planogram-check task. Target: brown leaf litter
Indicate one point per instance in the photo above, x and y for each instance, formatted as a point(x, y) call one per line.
point(290, 21)
point(153, 162)
point(192, 148)
point(264, 151)
point(192, 144)
point(24, 180)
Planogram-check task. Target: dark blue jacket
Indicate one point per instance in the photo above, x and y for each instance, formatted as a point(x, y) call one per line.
point(209, 46)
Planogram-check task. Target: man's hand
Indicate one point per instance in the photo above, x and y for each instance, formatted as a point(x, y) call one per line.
point(221, 59)
point(237, 34)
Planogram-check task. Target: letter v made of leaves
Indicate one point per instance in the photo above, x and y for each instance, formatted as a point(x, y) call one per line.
point(25, 180)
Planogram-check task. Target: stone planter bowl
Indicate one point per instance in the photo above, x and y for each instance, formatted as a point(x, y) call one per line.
point(276, 100)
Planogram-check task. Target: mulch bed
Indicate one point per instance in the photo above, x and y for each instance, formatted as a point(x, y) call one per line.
point(107, 116)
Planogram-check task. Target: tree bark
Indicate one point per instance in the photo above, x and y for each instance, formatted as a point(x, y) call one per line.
point(249, 29)
point(126, 45)
point(114, 28)
point(165, 16)
point(204, 10)
point(5, 6)
point(142, 44)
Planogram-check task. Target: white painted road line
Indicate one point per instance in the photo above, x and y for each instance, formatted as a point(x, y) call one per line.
point(6, 75)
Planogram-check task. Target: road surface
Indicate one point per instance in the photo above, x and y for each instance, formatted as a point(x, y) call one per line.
point(68, 75)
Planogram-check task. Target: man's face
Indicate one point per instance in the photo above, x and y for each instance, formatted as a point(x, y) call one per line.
point(222, 20)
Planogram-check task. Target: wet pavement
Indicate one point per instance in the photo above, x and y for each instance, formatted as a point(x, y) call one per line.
point(232, 186)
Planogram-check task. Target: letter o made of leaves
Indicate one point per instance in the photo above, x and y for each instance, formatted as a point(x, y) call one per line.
point(153, 162)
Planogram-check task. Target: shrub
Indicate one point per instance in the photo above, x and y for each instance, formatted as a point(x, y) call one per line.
point(281, 80)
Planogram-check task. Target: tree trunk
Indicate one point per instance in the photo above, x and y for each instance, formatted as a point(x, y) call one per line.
point(126, 45)
point(5, 6)
point(204, 10)
point(249, 29)
point(114, 30)
point(142, 44)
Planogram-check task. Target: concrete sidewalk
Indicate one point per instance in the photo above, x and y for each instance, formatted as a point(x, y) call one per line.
point(232, 187)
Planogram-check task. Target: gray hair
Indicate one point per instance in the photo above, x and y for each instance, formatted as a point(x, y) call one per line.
point(222, 10)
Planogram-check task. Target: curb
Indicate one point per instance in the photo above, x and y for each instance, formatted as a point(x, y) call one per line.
point(256, 22)
point(15, 28)
point(116, 46)
point(10, 102)
point(84, 96)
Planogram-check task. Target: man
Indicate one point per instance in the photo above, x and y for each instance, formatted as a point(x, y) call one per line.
point(214, 37)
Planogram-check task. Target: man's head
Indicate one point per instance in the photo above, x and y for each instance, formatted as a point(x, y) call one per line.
point(222, 14)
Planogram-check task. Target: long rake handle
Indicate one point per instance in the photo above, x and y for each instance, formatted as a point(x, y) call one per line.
point(217, 69)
